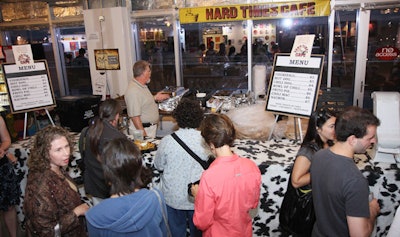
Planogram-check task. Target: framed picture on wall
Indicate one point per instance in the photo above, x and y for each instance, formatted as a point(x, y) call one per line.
point(84, 45)
point(107, 59)
point(73, 45)
point(150, 35)
point(142, 35)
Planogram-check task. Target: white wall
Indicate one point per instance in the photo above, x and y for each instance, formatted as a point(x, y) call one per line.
point(109, 28)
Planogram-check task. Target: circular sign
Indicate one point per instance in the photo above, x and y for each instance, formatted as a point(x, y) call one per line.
point(387, 53)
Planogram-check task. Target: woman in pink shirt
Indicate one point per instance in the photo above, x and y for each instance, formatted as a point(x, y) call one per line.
point(229, 188)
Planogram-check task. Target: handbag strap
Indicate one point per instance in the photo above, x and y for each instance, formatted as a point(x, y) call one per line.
point(163, 213)
point(188, 150)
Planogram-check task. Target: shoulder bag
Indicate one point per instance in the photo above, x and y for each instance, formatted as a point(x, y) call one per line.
point(204, 164)
point(297, 215)
point(163, 213)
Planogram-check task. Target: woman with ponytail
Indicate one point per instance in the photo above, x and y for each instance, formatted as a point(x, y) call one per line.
point(320, 134)
point(101, 130)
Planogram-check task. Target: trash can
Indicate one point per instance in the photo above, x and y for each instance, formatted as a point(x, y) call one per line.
point(75, 112)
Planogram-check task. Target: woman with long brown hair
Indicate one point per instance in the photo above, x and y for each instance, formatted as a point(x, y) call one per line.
point(101, 130)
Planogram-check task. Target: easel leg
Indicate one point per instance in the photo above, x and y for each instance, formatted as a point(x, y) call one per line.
point(300, 130)
point(25, 122)
point(48, 115)
point(273, 127)
point(299, 127)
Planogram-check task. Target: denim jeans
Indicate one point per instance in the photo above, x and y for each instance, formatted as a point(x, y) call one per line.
point(178, 221)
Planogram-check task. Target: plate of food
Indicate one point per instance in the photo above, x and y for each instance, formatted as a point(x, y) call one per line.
point(145, 146)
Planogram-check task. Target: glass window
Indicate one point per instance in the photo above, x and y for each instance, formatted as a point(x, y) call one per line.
point(343, 61)
point(74, 50)
point(209, 69)
point(156, 45)
point(383, 65)
point(42, 48)
point(215, 56)
point(278, 35)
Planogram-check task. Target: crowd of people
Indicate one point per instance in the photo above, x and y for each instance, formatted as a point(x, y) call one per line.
point(226, 52)
point(342, 204)
point(79, 61)
point(320, 134)
point(178, 167)
point(207, 198)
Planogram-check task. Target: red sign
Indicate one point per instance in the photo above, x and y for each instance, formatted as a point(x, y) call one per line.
point(387, 53)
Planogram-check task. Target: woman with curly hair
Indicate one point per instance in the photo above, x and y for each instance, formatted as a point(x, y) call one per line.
point(179, 168)
point(52, 204)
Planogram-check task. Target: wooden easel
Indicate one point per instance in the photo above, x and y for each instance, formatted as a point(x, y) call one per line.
point(38, 95)
point(295, 128)
point(293, 89)
point(26, 121)
point(298, 121)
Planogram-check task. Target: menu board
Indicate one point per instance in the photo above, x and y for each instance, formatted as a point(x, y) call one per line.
point(29, 86)
point(294, 85)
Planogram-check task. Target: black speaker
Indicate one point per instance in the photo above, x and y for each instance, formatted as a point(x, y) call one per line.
point(75, 112)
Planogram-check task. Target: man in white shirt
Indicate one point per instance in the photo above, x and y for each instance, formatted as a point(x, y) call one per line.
point(141, 104)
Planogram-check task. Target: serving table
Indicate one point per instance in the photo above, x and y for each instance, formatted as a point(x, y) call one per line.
point(274, 158)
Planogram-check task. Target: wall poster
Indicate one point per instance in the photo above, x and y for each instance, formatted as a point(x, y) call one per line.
point(150, 35)
point(107, 59)
point(294, 85)
point(29, 87)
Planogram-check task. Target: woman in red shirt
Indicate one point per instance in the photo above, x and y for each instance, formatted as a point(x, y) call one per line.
point(229, 188)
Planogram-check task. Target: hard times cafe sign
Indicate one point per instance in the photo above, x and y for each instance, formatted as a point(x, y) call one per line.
point(255, 11)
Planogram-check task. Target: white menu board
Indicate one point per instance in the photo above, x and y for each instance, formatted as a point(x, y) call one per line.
point(29, 87)
point(294, 85)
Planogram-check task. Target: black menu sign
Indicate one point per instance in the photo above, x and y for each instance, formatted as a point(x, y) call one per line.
point(294, 85)
point(29, 86)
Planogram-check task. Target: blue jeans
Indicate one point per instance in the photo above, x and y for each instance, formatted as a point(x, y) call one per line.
point(178, 220)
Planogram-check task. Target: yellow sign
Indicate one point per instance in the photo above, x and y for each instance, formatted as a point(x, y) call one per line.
point(271, 10)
